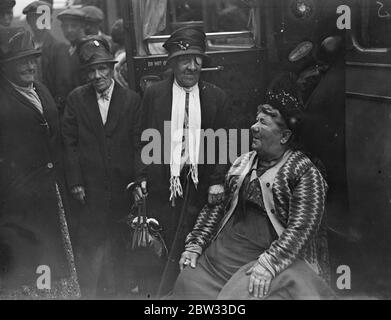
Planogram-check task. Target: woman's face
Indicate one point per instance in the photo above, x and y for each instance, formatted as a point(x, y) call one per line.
point(269, 136)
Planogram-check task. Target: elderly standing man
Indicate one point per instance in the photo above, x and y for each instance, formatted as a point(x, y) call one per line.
point(33, 231)
point(99, 134)
point(52, 69)
point(73, 28)
point(6, 12)
point(182, 101)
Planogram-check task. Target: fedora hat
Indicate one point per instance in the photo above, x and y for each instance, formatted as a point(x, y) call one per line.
point(18, 45)
point(94, 50)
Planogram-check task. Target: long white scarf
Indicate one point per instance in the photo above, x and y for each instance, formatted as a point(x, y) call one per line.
point(177, 132)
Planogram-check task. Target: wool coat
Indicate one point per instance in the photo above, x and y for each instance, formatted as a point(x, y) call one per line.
point(101, 157)
point(30, 167)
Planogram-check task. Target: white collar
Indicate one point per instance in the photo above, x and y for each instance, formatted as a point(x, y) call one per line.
point(183, 88)
point(20, 88)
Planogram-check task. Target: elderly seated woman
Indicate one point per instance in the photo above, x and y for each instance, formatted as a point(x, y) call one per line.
point(268, 239)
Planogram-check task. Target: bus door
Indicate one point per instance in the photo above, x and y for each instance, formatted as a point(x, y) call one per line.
point(233, 28)
point(368, 136)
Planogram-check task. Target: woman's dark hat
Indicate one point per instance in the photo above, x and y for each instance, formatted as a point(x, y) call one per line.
point(19, 45)
point(6, 5)
point(289, 106)
point(94, 50)
point(185, 41)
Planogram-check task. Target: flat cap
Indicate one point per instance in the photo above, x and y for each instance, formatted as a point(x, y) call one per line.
point(7, 4)
point(72, 13)
point(93, 14)
point(32, 7)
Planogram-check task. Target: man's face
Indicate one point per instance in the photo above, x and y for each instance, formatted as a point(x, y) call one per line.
point(73, 29)
point(92, 28)
point(32, 22)
point(187, 70)
point(6, 17)
point(101, 76)
point(21, 71)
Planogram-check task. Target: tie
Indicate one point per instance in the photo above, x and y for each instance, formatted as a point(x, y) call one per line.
point(104, 96)
point(185, 138)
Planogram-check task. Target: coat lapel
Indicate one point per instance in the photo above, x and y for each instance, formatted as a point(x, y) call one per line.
point(12, 91)
point(92, 110)
point(165, 106)
point(208, 108)
point(115, 110)
point(47, 107)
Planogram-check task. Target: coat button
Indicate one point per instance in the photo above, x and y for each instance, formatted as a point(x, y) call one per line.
point(50, 165)
point(268, 185)
point(273, 211)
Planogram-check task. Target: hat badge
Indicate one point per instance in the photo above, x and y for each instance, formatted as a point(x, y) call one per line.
point(183, 45)
point(96, 43)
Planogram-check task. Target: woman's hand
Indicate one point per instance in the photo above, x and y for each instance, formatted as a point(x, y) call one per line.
point(216, 194)
point(188, 258)
point(139, 191)
point(260, 279)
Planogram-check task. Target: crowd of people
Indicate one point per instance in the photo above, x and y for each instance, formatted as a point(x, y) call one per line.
point(71, 145)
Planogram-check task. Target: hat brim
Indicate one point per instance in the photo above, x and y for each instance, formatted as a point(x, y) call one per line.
point(21, 55)
point(112, 61)
point(71, 17)
point(187, 52)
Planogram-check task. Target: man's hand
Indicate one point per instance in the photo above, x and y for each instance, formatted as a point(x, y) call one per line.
point(139, 191)
point(216, 194)
point(79, 193)
point(188, 258)
point(260, 279)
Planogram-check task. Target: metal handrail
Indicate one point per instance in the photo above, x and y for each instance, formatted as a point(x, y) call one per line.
point(362, 49)
point(209, 36)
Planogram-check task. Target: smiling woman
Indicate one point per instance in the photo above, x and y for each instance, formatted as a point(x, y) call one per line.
point(267, 239)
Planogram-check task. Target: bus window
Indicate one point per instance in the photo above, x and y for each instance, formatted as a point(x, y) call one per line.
point(229, 24)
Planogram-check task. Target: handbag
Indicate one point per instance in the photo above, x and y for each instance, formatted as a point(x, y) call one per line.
point(146, 233)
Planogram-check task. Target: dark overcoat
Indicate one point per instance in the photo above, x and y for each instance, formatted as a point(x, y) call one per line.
point(56, 73)
point(30, 231)
point(156, 109)
point(100, 157)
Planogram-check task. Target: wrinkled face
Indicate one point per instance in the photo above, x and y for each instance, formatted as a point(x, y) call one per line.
point(73, 29)
point(6, 17)
point(21, 71)
point(187, 69)
point(270, 134)
point(101, 76)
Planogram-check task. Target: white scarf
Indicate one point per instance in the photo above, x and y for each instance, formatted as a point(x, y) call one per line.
point(177, 132)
